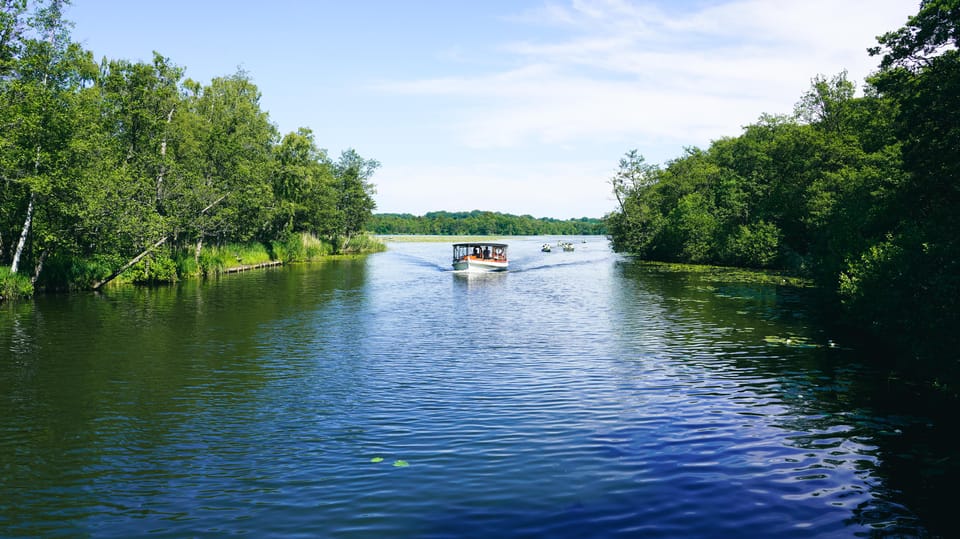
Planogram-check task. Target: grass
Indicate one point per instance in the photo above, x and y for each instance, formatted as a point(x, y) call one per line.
point(14, 285)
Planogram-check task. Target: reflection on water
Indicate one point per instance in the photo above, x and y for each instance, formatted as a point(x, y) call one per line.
point(579, 394)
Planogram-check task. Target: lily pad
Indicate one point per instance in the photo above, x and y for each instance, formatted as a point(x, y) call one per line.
point(401, 463)
point(376, 459)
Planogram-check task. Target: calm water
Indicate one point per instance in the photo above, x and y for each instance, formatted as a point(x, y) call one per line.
point(579, 395)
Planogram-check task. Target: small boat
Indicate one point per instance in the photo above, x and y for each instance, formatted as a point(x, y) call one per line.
point(480, 257)
point(546, 248)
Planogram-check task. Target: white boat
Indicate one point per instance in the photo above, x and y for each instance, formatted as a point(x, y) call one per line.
point(480, 257)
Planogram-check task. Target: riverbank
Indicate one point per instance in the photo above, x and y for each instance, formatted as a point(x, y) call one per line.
point(169, 265)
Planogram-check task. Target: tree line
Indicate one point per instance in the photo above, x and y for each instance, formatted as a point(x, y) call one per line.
point(482, 223)
point(102, 162)
point(861, 194)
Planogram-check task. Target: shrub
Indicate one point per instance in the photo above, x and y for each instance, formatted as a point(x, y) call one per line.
point(14, 285)
point(754, 246)
point(155, 269)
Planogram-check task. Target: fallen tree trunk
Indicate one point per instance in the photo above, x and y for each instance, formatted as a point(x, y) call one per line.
point(148, 250)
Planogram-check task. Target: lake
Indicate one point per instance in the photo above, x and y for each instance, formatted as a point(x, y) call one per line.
point(581, 394)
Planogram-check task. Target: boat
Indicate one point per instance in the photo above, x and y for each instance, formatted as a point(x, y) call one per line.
point(546, 248)
point(480, 257)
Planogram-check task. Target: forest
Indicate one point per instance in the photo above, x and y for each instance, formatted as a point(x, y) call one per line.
point(482, 223)
point(116, 164)
point(859, 194)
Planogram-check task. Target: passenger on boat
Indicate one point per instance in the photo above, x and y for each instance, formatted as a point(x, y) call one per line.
point(486, 252)
point(476, 252)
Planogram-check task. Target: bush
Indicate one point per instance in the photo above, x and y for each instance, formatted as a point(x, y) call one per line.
point(71, 272)
point(14, 285)
point(155, 269)
point(187, 265)
point(754, 246)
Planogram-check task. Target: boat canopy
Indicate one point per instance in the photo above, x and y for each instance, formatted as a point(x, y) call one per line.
point(484, 249)
point(480, 244)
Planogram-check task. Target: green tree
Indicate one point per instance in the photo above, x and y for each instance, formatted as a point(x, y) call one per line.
point(302, 184)
point(354, 196)
point(141, 185)
point(908, 284)
point(41, 91)
point(231, 160)
point(827, 102)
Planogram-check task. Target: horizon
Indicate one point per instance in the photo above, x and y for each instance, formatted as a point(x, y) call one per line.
point(487, 211)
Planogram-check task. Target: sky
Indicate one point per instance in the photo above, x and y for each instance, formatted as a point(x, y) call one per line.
point(517, 106)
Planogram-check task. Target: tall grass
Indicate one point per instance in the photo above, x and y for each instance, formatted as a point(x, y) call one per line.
point(301, 247)
point(362, 244)
point(14, 285)
point(215, 259)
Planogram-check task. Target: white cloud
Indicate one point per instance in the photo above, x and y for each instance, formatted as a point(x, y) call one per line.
point(569, 189)
point(636, 71)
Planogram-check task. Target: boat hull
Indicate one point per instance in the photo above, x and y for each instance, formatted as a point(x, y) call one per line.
point(479, 266)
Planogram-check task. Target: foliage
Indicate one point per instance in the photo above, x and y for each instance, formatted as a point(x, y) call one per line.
point(14, 285)
point(363, 244)
point(754, 246)
point(155, 269)
point(102, 163)
point(857, 193)
point(219, 258)
point(481, 223)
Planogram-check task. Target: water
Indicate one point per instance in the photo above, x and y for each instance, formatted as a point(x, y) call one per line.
point(578, 395)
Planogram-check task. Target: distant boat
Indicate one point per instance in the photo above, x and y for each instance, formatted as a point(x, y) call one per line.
point(480, 257)
point(546, 248)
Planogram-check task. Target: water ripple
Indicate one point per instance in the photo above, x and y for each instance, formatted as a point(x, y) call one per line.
point(386, 397)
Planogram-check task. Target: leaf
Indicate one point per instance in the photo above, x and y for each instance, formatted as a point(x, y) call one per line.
point(400, 464)
point(376, 459)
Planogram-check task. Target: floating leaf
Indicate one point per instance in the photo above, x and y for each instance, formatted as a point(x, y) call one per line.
point(401, 463)
point(376, 459)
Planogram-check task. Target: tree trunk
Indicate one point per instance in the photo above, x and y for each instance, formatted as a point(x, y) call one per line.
point(39, 267)
point(196, 251)
point(128, 265)
point(148, 250)
point(163, 165)
point(23, 235)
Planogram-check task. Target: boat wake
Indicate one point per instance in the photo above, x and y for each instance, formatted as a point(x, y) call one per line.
point(539, 267)
point(421, 262)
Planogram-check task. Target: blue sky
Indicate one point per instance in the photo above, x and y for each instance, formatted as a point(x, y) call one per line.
point(522, 107)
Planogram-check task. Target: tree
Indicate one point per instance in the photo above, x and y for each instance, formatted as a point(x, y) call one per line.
point(141, 183)
point(825, 104)
point(301, 184)
point(908, 283)
point(354, 195)
point(41, 90)
point(232, 157)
